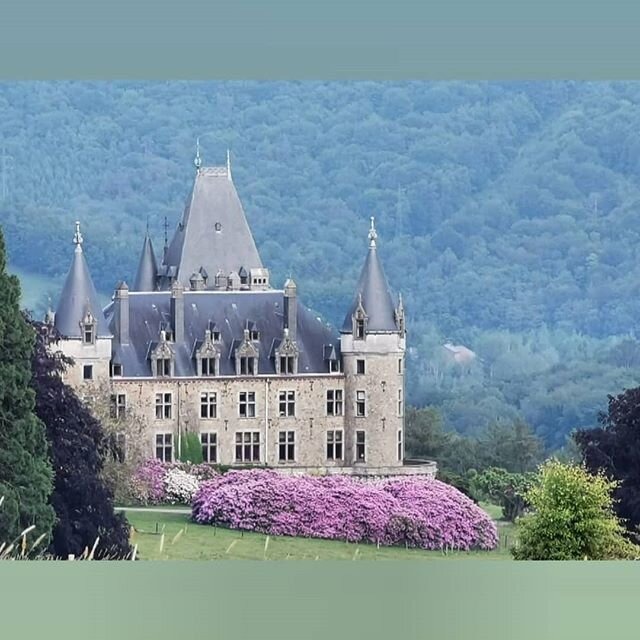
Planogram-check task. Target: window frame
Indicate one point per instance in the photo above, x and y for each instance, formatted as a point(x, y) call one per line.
point(247, 441)
point(164, 402)
point(208, 405)
point(164, 445)
point(361, 367)
point(333, 402)
point(286, 446)
point(287, 405)
point(211, 443)
point(87, 368)
point(363, 445)
point(332, 443)
point(361, 403)
point(118, 409)
point(248, 402)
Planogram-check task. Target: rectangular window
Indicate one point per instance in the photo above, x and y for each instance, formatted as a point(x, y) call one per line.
point(360, 329)
point(361, 404)
point(116, 370)
point(334, 445)
point(208, 404)
point(87, 372)
point(209, 442)
point(287, 404)
point(287, 365)
point(248, 446)
point(247, 404)
point(117, 446)
point(163, 367)
point(87, 334)
point(208, 366)
point(118, 405)
point(164, 402)
point(216, 336)
point(360, 368)
point(400, 445)
point(360, 446)
point(334, 402)
point(334, 366)
point(164, 447)
point(286, 446)
point(400, 403)
point(400, 365)
point(254, 335)
point(247, 366)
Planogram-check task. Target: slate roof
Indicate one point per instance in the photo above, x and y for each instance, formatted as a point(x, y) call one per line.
point(77, 295)
point(230, 312)
point(376, 297)
point(147, 268)
point(213, 232)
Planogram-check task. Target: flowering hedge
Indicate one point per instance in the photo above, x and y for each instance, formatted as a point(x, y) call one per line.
point(157, 482)
point(422, 513)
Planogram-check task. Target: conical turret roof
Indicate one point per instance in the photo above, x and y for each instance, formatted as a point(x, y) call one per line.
point(78, 296)
point(147, 268)
point(373, 293)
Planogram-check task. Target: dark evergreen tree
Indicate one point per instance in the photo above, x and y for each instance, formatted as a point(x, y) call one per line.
point(614, 448)
point(25, 471)
point(82, 500)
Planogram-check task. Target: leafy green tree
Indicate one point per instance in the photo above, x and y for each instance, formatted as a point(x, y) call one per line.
point(614, 449)
point(572, 519)
point(512, 446)
point(25, 470)
point(82, 500)
point(504, 488)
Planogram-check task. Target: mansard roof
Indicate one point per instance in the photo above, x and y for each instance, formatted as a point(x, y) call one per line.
point(230, 312)
point(147, 268)
point(78, 296)
point(213, 233)
point(374, 292)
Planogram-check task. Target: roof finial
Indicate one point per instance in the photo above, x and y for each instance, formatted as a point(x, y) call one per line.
point(147, 225)
point(372, 233)
point(197, 160)
point(166, 237)
point(228, 164)
point(77, 238)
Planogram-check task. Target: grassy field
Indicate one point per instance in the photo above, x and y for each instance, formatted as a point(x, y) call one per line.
point(184, 540)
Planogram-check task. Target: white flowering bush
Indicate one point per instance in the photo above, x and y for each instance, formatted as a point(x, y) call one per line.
point(180, 486)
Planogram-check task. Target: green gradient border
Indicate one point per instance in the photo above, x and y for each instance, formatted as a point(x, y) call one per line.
point(447, 600)
point(327, 39)
point(439, 600)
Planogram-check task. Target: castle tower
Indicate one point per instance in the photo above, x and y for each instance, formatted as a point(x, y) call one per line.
point(80, 321)
point(373, 350)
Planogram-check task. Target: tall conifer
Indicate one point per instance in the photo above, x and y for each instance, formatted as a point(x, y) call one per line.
point(25, 471)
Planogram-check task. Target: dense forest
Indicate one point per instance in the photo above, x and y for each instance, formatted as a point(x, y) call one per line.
point(508, 214)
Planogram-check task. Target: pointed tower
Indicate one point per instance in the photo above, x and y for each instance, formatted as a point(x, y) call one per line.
point(213, 235)
point(147, 274)
point(80, 320)
point(372, 343)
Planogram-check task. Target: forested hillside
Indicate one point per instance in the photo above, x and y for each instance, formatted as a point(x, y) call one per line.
point(508, 213)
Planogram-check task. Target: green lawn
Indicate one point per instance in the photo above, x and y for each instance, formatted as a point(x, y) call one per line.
point(184, 540)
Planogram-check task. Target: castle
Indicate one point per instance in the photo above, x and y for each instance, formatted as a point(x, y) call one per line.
point(202, 343)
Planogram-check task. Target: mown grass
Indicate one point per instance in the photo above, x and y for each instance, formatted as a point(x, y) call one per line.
point(172, 536)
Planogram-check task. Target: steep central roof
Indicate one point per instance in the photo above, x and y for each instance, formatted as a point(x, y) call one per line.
point(213, 233)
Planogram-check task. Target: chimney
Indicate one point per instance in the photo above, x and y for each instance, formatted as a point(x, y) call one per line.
point(291, 307)
point(177, 312)
point(122, 313)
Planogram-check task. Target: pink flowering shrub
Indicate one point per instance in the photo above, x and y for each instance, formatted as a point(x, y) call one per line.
point(420, 513)
point(157, 482)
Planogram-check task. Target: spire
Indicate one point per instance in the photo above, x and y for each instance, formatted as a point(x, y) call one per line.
point(147, 267)
point(78, 296)
point(372, 294)
point(228, 164)
point(213, 232)
point(372, 233)
point(77, 238)
point(197, 161)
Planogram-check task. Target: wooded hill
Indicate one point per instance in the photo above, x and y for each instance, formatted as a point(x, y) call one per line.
point(508, 213)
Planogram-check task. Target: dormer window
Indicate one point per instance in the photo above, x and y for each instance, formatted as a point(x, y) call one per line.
point(254, 335)
point(248, 366)
point(209, 366)
point(88, 327)
point(116, 370)
point(360, 328)
point(287, 365)
point(163, 367)
point(215, 336)
point(334, 366)
point(359, 321)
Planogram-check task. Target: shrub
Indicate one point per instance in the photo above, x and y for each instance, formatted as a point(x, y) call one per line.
point(421, 513)
point(180, 486)
point(573, 518)
point(190, 448)
point(504, 488)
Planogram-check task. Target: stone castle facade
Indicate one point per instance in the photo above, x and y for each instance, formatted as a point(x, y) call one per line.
point(202, 343)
